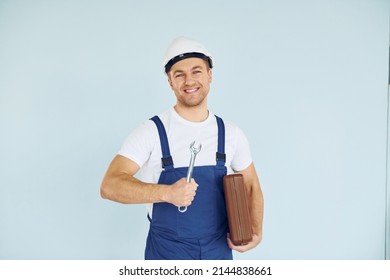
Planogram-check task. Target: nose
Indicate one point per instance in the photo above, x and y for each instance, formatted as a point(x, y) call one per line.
point(189, 80)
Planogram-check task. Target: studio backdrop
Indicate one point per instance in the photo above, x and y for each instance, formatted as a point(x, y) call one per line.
point(306, 80)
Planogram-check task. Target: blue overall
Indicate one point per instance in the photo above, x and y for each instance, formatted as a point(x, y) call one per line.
point(200, 232)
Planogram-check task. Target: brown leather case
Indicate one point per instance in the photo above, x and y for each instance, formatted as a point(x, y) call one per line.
point(239, 218)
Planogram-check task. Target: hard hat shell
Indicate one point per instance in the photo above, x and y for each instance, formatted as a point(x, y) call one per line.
point(182, 48)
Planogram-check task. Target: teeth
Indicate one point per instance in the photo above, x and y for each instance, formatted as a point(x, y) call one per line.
point(190, 90)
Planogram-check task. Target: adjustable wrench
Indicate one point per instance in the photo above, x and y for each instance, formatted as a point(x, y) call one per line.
point(194, 151)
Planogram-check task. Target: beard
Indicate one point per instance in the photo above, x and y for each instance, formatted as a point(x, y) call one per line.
point(190, 101)
point(193, 99)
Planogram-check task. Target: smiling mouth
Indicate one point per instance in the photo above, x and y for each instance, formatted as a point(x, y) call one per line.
point(191, 90)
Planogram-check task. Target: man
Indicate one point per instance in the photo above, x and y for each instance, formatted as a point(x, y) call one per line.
point(159, 149)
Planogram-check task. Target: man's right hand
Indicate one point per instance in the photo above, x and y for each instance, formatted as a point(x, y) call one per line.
point(181, 193)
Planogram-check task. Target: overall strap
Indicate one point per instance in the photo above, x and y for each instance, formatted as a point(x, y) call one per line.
point(221, 156)
point(167, 162)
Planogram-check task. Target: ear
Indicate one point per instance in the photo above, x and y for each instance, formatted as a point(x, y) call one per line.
point(210, 75)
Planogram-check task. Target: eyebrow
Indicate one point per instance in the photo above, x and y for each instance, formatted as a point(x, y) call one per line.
point(192, 69)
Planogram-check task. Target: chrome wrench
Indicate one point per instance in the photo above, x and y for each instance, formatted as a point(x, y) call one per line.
point(194, 151)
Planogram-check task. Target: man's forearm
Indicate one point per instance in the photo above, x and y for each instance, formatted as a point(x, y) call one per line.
point(126, 189)
point(257, 210)
point(255, 198)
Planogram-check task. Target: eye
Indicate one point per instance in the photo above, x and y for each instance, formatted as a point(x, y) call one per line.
point(180, 75)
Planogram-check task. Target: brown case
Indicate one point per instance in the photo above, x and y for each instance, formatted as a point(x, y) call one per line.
point(237, 208)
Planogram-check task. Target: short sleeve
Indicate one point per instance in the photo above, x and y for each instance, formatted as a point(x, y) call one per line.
point(139, 143)
point(242, 157)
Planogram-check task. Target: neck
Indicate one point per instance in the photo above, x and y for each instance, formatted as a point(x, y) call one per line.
point(192, 114)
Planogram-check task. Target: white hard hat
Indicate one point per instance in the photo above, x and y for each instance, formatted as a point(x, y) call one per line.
point(182, 48)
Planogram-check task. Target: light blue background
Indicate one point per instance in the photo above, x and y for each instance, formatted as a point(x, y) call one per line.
point(306, 80)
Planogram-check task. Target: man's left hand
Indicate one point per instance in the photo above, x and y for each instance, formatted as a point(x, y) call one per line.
point(243, 248)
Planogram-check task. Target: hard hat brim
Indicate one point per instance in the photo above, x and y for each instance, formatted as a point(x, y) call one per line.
point(180, 57)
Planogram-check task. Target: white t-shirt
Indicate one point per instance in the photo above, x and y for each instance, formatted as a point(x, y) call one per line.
point(143, 145)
